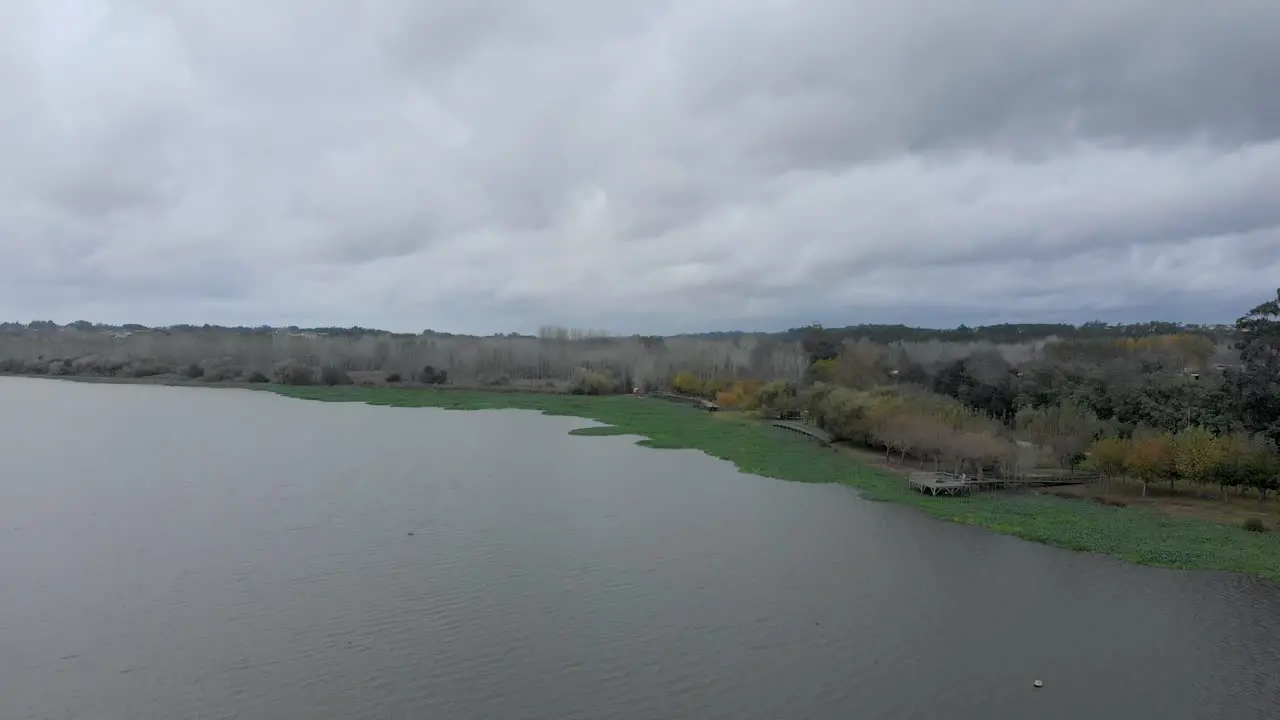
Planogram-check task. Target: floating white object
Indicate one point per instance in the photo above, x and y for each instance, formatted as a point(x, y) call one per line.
point(1038, 683)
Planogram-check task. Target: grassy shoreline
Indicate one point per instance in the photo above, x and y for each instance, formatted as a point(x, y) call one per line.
point(1138, 535)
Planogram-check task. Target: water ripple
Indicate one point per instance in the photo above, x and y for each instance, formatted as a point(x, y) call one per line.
point(356, 563)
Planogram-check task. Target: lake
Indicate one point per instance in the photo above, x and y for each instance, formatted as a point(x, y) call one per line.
point(186, 553)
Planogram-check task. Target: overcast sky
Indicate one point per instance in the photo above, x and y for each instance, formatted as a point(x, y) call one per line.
point(655, 166)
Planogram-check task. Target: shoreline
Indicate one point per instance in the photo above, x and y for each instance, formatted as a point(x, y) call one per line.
point(173, 381)
point(1135, 534)
point(162, 381)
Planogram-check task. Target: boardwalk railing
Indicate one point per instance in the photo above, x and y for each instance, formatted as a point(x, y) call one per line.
point(1042, 479)
point(944, 483)
point(816, 433)
point(799, 416)
point(936, 483)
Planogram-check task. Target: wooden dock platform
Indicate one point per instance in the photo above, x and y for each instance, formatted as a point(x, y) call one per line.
point(936, 483)
point(816, 433)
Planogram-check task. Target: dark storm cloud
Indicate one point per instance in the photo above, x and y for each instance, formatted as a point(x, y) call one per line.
point(642, 166)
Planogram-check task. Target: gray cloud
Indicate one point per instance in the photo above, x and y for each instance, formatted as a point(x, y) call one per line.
point(487, 165)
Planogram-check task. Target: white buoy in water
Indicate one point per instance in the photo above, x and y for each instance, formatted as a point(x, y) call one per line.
point(1038, 683)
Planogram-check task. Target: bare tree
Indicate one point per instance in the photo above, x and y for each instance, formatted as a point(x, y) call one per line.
point(555, 357)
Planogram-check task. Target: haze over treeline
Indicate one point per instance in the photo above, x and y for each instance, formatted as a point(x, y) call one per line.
point(554, 354)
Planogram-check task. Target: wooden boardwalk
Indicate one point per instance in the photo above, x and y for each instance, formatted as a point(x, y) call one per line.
point(943, 483)
point(936, 483)
point(675, 397)
point(816, 433)
point(1043, 480)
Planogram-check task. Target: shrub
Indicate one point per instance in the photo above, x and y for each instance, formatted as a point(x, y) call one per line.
point(193, 371)
point(146, 370)
point(218, 373)
point(432, 376)
point(333, 375)
point(744, 395)
point(295, 374)
point(95, 365)
point(590, 382)
point(1151, 458)
point(686, 383)
point(1253, 524)
point(1110, 455)
point(257, 377)
point(393, 377)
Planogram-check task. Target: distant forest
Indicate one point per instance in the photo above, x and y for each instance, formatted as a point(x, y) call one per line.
point(1005, 333)
point(962, 397)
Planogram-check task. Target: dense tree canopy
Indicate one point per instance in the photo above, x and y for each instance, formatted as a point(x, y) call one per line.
point(1255, 386)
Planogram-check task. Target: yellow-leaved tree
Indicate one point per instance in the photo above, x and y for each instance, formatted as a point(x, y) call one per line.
point(687, 383)
point(1195, 455)
point(1110, 456)
point(1150, 458)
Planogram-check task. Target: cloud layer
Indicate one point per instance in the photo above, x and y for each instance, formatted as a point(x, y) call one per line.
point(485, 165)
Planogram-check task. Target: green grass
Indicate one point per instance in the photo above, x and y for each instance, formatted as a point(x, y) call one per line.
point(1135, 534)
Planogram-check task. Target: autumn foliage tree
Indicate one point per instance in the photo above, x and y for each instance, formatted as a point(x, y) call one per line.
point(686, 382)
point(1151, 458)
point(1196, 454)
point(742, 395)
point(907, 421)
point(1110, 456)
point(1260, 468)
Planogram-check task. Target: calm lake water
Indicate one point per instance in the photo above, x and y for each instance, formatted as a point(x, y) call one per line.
point(181, 553)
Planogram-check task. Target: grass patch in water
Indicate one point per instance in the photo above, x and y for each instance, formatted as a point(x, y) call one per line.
point(1135, 534)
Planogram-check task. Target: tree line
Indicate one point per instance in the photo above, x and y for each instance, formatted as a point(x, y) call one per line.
point(557, 359)
point(1193, 456)
point(954, 398)
point(1180, 407)
point(883, 334)
point(1008, 333)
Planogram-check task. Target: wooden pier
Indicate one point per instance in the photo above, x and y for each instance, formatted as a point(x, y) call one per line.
point(816, 433)
point(936, 483)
